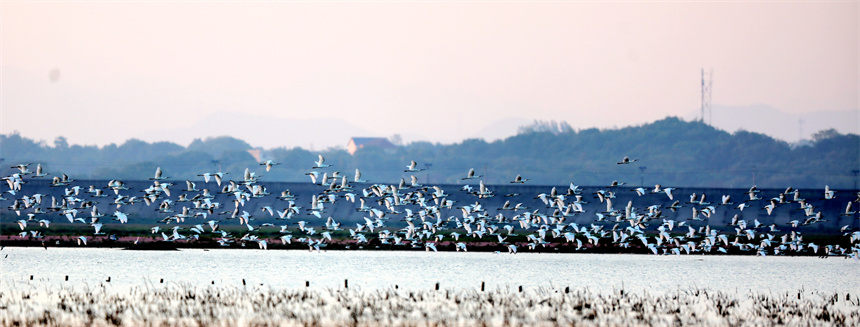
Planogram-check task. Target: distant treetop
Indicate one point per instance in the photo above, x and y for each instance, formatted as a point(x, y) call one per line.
point(540, 126)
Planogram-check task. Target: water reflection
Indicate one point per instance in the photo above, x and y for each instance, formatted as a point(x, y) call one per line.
point(422, 270)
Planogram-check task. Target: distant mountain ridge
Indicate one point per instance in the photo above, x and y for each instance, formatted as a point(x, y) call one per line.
point(670, 151)
point(274, 132)
point(268, 132)
point(778, 124)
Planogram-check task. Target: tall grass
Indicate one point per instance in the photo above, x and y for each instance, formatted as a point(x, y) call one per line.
point(24, 304)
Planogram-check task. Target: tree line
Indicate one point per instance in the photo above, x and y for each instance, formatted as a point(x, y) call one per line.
point(671, 152)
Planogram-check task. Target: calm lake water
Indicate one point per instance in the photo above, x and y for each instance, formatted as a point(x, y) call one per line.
point(422, 270)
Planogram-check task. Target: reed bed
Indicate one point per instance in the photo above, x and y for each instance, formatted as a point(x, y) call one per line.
point(191, 305)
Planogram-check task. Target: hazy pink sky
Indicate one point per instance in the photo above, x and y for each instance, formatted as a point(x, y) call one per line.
point(426, 70)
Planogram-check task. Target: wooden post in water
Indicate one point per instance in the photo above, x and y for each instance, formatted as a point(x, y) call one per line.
point(566, 289)
point(243, 282)
point(307, 283)
point(521, 288)
point(31, 277)
point(161, 281)
point(482, 286)
point(437, 286)
point(346, 283)
point(67, 278)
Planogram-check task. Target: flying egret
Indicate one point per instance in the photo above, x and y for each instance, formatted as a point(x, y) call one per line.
point(520, 180)
point(470, 175)
point(412, 168)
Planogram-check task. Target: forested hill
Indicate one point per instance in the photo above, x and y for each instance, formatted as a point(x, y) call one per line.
point(671, 152)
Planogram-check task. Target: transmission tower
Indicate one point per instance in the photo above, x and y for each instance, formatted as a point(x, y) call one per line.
point(707, 82)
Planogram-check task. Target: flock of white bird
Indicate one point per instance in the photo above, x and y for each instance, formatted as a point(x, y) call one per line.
point(430, 216)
